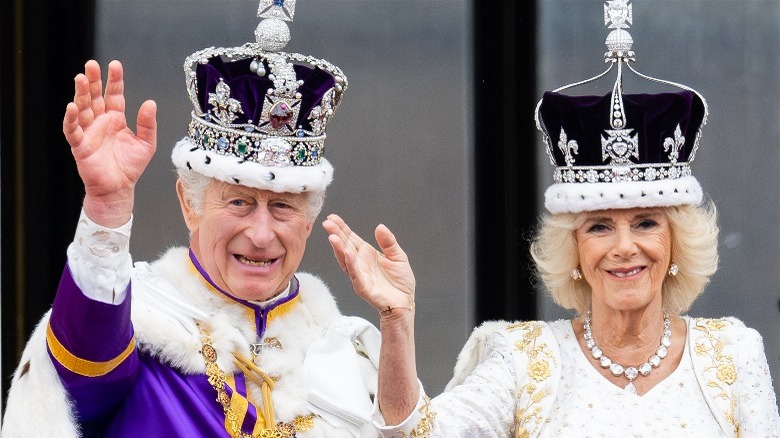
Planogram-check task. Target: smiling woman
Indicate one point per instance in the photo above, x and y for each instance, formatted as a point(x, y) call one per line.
point(624, 256)
point(694, 238)
point(628, 246)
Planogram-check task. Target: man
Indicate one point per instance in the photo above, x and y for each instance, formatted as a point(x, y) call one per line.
point(225, 338)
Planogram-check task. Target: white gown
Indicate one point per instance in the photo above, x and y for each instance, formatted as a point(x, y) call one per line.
point(506, 385)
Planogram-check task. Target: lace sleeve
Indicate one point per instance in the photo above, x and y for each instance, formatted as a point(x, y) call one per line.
point(99, 260)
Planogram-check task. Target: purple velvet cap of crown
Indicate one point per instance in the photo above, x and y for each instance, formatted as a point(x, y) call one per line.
point(653, 117)
point(250, 89)
point(658, 176)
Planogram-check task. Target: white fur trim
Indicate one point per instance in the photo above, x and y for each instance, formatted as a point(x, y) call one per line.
point(37, 402)
point(579, 197)
point(291, 179)
point(473, 352)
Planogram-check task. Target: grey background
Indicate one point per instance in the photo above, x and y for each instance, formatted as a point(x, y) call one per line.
point(727, 50)
point(401, 142)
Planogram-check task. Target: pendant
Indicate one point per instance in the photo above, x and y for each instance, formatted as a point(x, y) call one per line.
point(630, 387)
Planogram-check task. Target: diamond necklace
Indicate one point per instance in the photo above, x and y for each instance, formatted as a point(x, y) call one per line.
point(631, 373)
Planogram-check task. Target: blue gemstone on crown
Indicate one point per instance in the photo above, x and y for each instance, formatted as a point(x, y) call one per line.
point(222, 144)
point(279, 3)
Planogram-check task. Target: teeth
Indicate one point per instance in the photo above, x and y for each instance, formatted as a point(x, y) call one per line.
point(626, 274)
point(251, 262)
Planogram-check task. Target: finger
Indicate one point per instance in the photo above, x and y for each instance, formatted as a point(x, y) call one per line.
point(388, 244)
point(70, 125)
point(146, 123)
point(344, 232)
point(352, 237)
point(338, 250)
point(82, 99)
point(338, 240)
point(348, 261)
point(354, 270)
point(92, 71)
point(115, 87)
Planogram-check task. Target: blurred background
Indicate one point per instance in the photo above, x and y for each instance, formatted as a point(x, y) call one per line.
point(435, 138)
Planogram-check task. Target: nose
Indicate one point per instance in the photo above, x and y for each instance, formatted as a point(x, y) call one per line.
point(260, 228)
point(625, 244)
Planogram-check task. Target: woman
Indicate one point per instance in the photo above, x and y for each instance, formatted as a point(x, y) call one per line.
point(628, 246)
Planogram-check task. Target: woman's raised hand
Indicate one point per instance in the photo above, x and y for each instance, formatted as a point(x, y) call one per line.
point(383, 278)
point(110, 158)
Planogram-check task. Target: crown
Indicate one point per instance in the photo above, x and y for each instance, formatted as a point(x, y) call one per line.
point(260, 114)
point(621, 150)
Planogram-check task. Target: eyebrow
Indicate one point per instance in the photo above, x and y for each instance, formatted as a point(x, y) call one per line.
point(646, 215)
point(230, 191)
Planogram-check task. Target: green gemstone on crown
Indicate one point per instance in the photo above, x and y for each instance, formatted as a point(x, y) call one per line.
point(242, 147)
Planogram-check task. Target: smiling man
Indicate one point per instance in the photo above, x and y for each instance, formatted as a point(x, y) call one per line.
point(224, 338)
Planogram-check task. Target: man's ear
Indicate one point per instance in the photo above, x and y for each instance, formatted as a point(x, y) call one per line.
point(191, 218)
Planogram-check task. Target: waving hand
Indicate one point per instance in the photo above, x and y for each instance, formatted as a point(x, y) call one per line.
point(384, 278)
point(110, 158)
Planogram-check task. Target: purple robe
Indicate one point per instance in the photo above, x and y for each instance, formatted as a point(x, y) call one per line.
point(119, 391)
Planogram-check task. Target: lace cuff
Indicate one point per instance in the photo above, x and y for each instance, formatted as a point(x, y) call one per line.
point(419, 424)
point(99, 260)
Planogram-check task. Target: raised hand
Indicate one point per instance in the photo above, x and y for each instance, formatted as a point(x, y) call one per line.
point(110, 158)
point(384, 279)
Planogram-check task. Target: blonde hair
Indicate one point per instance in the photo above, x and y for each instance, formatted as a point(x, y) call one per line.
point(694, 250)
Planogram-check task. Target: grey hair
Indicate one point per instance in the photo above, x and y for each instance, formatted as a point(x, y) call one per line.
point(194, 185)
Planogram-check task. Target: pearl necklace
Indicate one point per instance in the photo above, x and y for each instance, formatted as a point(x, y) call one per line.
point(631, 373)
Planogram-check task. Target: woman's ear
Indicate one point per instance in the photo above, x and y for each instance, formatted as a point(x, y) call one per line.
point(191, 218)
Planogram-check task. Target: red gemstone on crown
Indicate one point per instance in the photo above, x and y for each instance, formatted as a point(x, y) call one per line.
point(280, 115)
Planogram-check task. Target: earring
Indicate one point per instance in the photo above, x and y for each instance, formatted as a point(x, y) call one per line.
point(674, 269)
point(576, 274)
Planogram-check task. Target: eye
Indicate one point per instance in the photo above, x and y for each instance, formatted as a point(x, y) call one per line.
point(281, 205)
point(598, 228)
point(647, 224)
point(238, 202)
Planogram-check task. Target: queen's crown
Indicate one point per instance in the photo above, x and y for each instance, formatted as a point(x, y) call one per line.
point(621, 137)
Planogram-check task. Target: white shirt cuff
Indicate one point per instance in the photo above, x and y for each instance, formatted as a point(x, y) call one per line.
point(99, 260)
point(419, 415)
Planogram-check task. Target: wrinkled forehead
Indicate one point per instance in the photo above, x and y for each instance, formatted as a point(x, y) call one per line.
point(222, 190)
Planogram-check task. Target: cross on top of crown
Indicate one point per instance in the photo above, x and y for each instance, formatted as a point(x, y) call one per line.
point(280, 9)
point(618, 14)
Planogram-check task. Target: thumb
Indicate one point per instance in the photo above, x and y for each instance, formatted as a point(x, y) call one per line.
point(388, 243)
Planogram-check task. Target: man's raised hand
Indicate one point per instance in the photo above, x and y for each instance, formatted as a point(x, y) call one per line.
point(110, 158)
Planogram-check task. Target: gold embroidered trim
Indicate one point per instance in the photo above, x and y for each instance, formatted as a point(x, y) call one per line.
point(722, 365)
point(425, 425)
point(529, 416)
point(84, 367)
point(217, 379)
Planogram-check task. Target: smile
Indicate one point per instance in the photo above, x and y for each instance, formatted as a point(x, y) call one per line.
point(250, 262)
point(623, 274)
